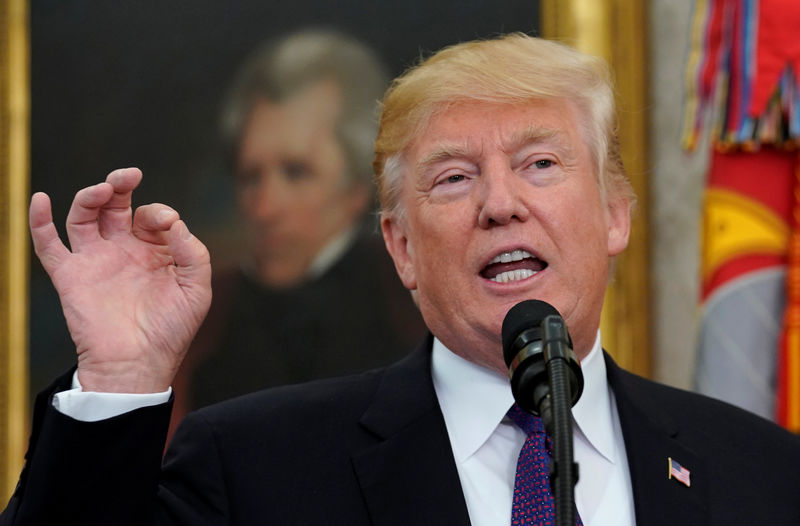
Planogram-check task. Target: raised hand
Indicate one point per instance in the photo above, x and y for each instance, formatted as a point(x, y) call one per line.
point(134, 287)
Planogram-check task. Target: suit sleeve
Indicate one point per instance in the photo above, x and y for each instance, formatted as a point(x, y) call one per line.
point(90, 473)
point(193, 487)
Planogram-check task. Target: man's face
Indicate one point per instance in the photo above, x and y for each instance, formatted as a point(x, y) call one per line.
point(503, 205)
point(290, 183)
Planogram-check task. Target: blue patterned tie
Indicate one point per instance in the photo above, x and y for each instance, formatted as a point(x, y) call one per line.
point(533, 501)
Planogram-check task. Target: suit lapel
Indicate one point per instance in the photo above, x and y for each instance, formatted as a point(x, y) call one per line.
point(409, 476)
point(651, 438)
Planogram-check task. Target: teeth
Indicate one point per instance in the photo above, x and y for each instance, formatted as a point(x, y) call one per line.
point(508, 257)
point(513, 275)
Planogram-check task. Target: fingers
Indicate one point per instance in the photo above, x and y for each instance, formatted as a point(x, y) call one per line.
point(193, 264)
point(152, 223)
point(102, 210)
point(83, 214)
point(46, 243)
point(115, 215)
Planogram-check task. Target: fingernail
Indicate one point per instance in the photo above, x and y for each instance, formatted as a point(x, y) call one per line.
point(165, 215)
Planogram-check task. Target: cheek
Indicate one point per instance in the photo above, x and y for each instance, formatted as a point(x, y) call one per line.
point(309, 199)
point(578, 228)
point(436, 239)
point(246, 202)
point(438, 260)
point(588, 218)
point(330, 212)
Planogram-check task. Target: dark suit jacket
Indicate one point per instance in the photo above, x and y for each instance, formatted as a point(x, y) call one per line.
point(372, 449)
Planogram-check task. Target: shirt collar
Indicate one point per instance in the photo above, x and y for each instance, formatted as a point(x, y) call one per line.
point(474, 400)
point(592, 412)
point(331, 252)
point(323, 260)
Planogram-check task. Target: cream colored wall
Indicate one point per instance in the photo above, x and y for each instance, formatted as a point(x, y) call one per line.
point(676, 185)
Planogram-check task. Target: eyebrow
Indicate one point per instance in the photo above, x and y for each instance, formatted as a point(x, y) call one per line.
point(536, 134)
point(444, 153)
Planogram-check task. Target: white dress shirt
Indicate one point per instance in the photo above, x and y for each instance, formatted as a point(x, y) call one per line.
point(486, 444)
point(91, 406)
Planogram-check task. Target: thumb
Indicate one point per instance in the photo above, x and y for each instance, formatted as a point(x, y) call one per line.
point(46, 243)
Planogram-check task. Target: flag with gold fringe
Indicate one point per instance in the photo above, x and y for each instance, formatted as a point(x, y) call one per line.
point(742, 75)
point(787, 410)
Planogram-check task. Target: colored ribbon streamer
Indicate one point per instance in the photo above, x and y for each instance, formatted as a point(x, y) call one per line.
point(743, 68)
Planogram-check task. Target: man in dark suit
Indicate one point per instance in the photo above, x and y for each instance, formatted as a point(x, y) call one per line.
point(500, 180)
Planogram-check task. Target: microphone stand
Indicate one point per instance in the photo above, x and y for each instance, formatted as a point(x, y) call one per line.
point(546, 380)
point(556, 412)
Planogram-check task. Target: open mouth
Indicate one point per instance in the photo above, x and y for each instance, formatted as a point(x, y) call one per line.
point(513, 266)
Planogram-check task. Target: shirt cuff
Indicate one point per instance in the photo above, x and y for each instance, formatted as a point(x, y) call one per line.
point(88, 406)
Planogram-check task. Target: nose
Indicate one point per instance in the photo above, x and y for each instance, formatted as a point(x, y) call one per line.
point(266, 198)
point(501, 198)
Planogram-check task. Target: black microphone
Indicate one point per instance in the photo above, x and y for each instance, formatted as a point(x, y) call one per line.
point(546, 380)
point(534, 333)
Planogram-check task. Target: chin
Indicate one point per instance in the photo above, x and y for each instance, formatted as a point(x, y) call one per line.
point(280, 280)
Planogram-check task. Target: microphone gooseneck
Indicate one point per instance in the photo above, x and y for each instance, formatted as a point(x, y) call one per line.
point(546, 380)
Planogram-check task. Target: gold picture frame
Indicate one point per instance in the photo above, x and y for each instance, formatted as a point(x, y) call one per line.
point(14, 168)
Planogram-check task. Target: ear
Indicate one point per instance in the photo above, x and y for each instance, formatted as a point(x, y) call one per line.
point(619, 225)
point(400, 248)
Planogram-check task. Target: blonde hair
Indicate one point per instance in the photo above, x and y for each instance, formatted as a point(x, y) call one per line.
point(512, 69)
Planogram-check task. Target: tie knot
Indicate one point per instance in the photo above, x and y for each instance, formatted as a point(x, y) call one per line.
point(529, 423)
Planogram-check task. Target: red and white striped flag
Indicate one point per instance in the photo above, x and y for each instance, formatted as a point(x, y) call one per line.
point(678, 472)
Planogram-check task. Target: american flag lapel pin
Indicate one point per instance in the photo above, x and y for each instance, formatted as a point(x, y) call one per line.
point(678, 472)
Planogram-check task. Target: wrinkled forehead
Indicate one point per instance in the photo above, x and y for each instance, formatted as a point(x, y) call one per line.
point(452, 131)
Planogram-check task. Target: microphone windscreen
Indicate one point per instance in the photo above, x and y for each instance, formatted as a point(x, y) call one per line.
point(524, 315)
